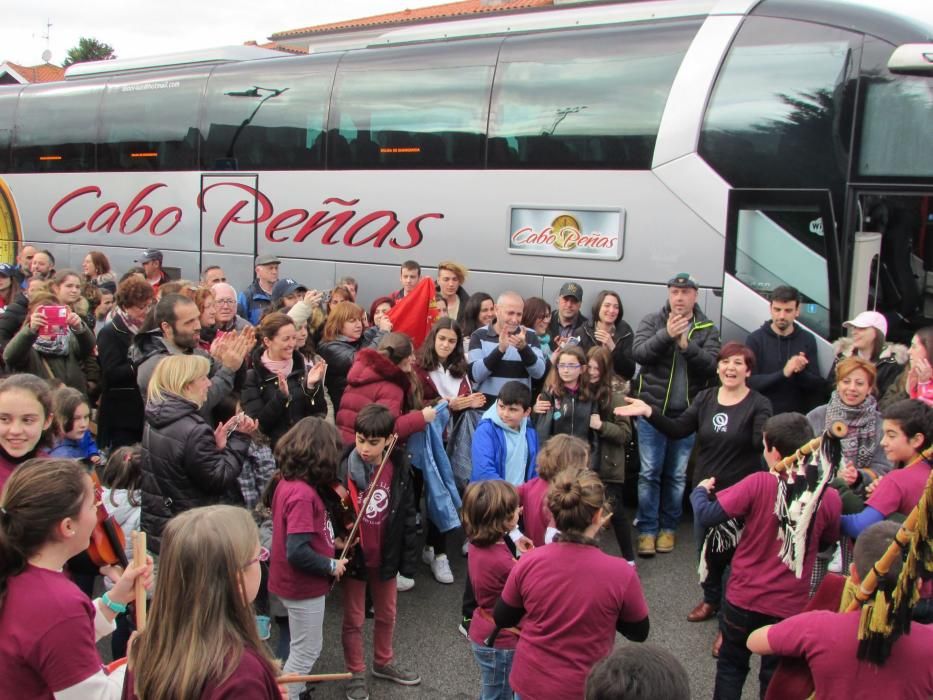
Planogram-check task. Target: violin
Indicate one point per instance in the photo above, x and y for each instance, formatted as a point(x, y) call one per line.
point(108, 543)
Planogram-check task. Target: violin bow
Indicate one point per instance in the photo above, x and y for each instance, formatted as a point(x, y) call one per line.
point(369, 494)
point(138, 539)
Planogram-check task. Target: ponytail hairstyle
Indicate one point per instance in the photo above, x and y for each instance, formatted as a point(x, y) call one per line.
point(553, 383)
point(123, 471)
point(574, 498)
point(396, 347)
point(42, 393)
point(562, 452)
point(36, 498)
point(200, 621)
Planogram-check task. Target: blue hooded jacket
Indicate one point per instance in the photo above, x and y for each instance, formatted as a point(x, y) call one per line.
point(490, 448)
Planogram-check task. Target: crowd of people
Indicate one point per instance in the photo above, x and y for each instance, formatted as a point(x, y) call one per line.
point(279, 442)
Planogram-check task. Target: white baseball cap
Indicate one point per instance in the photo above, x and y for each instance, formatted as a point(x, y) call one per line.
point(869, 319)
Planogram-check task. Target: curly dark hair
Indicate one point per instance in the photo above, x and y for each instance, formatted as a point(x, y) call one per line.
point(133, 291)
point(309, 451)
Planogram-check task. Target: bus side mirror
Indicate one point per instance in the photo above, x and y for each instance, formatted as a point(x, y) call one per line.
point(912, 59)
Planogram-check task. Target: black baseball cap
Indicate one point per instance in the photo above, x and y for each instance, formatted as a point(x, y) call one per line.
point(286, 286)
point(683, 280)
point(571, 289)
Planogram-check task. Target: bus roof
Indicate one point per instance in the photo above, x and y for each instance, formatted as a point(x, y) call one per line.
point(223, 54)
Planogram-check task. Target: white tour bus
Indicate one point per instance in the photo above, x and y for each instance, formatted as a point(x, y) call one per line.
point(749, 143)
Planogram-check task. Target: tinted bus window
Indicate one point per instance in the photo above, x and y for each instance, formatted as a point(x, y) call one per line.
point(781, 111)
point(268, 116)
point(584, 99)
point(8, 98)
point(897, 119)
point(151, 123)
point(412, 107)
point(56, 128)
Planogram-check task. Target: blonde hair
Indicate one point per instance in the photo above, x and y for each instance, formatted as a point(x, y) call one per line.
point(174, 373)
point(200, 622)
point(459, 270)
point(562, 452)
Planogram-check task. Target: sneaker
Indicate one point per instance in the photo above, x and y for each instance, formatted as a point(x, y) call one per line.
point(464, 627)
point(356, 687)
point(403, 583)
point(392, 672)
point(427, 555)
point(835, 564)
point(440, 567)
point(264, 626)
point(665, 542)
point(646, 546)
point(465, 549)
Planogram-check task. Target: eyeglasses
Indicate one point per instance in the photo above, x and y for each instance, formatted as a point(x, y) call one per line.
point(264, 555)
point(569, 365)
point(546, 314)
point(225, 302)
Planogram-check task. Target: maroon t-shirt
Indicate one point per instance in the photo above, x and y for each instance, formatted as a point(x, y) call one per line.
point(760, 581)
point(489, 569)
point(251, 680)
point(375, 519)
point(535, 514)
point(298, 509)
point(900, 490)
point(829, 643)
point(46, 635)
point(573, 596)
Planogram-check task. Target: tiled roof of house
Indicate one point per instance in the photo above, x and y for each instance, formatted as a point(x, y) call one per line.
point(278, 47)
point(42, 73)
point(463, 8)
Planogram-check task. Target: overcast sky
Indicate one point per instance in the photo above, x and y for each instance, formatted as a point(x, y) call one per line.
point(144, 28)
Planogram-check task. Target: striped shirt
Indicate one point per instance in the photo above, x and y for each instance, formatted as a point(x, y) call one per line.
point(490, 368)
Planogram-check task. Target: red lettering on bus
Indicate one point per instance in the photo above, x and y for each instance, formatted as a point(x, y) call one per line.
point(320, 218)
point(415, 234)
point(137, 207)
point(286, 220)
point(377, 238)
point(112, 210)
point(53, 212)
point(265, 208)
point(171, 211)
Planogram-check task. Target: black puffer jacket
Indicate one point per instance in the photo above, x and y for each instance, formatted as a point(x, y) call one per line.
point(339, 355)
point(12, 317)
point(667, 370)
point(122, 409)
point(182, 467)
point(622, 361)
point(400, 547)
point(275, 411)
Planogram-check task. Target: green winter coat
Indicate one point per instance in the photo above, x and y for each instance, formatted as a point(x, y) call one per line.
point(614, 435)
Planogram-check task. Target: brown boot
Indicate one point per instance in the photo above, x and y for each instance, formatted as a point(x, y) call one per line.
point(702, 612)
point(717, 645)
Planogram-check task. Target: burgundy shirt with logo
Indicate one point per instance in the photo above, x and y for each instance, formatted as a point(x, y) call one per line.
point(298, 509)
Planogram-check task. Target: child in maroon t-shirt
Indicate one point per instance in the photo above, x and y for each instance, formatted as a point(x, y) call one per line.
point(829, 641)
point(570, 597)
point(387, 546)
point(762, 589)
point(490, 512)
point(559, 453)
point(303, 545)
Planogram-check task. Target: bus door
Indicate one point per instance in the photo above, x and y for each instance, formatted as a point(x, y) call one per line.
point(238, 251)
point(781, 237)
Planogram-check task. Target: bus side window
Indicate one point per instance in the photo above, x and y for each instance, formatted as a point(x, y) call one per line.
point(268, 115)
point(56, 129)
point(413, 107)
point(589, 98)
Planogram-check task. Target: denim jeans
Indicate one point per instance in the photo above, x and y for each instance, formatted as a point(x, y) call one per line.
point(306, 624)
point(495, 666)
point(733, 663)
point(661, 480)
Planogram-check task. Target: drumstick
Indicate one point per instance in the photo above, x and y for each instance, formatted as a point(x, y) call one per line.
point(139, 560)
point(316, 678)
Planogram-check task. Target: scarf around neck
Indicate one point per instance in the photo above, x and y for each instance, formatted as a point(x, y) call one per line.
point(277, 367)
point(127, 321)
point(56, 345)
point(858, 446)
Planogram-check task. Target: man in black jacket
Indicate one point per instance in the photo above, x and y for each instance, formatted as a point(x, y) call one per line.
point(568, 316)
point(677, 348)
point(786, 366)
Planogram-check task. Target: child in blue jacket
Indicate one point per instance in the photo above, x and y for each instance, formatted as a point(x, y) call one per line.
point(74, 419)
point(505, 443)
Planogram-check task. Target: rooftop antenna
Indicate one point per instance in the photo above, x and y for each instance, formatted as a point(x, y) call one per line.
point(47, 54)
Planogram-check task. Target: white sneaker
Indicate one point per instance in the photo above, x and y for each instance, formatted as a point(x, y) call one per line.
point(465, 549)
point(440, 567)
point(403, 583)
point(835, 564)
point(427, 555)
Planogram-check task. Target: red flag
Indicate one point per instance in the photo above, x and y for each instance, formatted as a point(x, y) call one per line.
point(416, 312)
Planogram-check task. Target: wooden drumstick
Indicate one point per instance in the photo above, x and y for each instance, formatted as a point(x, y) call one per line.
point(139, 560)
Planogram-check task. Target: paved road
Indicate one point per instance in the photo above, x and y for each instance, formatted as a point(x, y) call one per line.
point(427, 640)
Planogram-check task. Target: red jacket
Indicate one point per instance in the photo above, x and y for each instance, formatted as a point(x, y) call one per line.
point(373, 378)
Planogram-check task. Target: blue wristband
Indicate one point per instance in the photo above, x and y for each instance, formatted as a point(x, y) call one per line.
point(118, 608)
